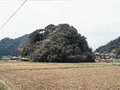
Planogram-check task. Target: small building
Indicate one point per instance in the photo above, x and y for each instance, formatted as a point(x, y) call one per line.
point(25, 59)
point(14, 58)
point(9, 57)
point(6, 57)
point(112, 55)
point(107, 56)
point(97, 56)
point(102, 55)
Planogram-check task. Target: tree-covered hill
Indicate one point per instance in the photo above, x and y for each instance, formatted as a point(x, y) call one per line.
point(9, 46)
point(112, 45)
point(60, 43)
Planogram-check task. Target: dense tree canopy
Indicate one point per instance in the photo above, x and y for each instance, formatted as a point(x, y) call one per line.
point(60, 43)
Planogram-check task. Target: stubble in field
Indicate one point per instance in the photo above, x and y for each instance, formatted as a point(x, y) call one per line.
point(54, 76)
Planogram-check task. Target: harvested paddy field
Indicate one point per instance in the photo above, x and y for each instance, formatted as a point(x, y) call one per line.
point(60, 76)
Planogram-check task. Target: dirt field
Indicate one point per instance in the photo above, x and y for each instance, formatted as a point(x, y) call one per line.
point(59, 76)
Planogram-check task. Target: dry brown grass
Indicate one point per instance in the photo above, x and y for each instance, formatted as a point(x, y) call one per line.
point(56, 76)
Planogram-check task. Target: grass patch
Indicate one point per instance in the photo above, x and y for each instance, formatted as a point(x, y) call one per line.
point(88, 64)
point(2, 87)
point(3, 61)
point(107, 61)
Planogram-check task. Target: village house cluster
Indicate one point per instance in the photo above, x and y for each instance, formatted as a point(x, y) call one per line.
point(98, 57)
point(103, 56)
point(14, 58)
point(10, 57)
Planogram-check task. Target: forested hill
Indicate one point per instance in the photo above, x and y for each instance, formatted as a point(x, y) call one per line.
point(9, 46)
point(60, 43)
point(115, 44)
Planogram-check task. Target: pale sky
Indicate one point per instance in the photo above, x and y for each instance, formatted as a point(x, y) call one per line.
point(98, 21)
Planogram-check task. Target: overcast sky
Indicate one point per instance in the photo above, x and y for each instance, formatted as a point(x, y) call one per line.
point(98, 21)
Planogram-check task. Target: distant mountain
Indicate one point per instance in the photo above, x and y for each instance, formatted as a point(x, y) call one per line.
point(112, 45)
point(9, 46)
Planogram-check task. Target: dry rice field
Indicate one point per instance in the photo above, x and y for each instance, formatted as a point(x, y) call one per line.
point(60, 76)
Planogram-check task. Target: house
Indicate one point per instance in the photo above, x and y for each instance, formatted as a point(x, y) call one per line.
point(102, 55)
point(14, 58)
point(112, 55)
point(25, 59)
point(6, 57)
point(97, 56)
point(9, 57)
point(107, 56)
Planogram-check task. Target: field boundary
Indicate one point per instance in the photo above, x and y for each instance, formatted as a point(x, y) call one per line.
point(52, 68)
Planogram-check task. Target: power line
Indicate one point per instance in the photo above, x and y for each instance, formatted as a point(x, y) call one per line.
point(13, 14)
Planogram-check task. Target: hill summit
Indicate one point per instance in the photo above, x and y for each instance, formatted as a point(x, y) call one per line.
point(60, 43)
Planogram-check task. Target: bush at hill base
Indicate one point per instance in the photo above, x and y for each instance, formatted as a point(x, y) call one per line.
point(60, 43)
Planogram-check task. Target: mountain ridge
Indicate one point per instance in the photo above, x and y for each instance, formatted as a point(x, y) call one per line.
point(112, 45)
point(9, 46)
